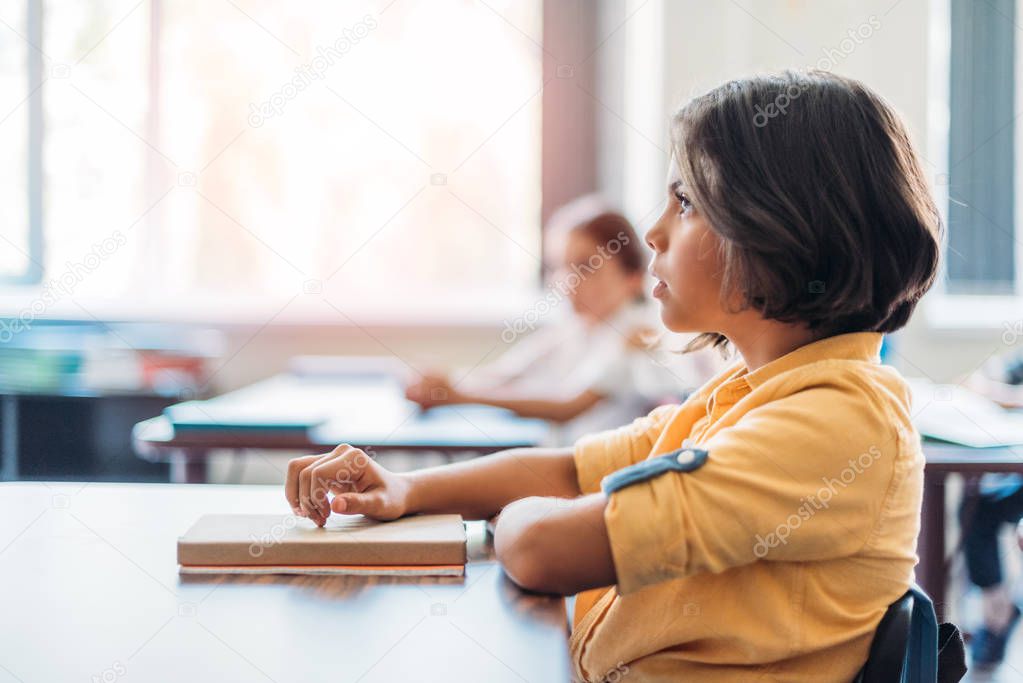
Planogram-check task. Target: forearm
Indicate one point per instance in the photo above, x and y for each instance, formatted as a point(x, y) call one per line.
point(556, 546)
point(479, 488)
point(556, 410)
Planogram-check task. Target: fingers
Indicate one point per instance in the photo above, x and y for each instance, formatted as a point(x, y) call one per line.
point(331, 474)
point(431, 389)
point(311, 478)
point(305, 491)
point(291, 489)
point(372, 504)
point(414, 392)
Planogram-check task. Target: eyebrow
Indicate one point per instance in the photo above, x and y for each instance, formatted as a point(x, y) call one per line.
point(673, 187)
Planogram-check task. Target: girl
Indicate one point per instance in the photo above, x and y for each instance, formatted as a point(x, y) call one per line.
point(759, 530)
point(591, 370)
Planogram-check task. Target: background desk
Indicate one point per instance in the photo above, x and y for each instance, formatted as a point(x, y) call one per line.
point(89, 584)
point(71, 391)
point(367, 412)
point(74, 433)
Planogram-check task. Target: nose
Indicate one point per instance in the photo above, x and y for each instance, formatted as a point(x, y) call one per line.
point(655, 237)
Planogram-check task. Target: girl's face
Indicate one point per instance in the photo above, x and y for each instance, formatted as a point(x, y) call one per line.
point(687, 265)
point(600, 286)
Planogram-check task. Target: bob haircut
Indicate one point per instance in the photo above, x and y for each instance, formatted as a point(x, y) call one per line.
point(823, 211)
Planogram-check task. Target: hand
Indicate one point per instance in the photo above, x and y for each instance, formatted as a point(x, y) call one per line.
point(432, 390)
point(359, 484)
point(643, 338)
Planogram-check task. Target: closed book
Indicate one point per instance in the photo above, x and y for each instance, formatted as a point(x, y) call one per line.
point(222, 415)
point(348, 540)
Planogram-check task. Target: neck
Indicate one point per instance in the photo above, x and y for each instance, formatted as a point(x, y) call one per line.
point(762, 341)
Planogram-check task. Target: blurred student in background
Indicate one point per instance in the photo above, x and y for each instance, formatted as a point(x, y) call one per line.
point(591, 367)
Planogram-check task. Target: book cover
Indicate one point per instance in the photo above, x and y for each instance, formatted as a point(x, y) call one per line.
point(346, 540)
point(235, 416)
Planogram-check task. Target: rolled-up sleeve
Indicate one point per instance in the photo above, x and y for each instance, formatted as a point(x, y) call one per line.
point(787, 482)
point(598, 455)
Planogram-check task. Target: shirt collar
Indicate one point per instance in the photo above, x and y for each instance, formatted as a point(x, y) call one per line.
point(861, 346)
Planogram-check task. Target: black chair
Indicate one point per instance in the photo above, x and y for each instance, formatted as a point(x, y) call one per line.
point(887, 653)
point(890, 650)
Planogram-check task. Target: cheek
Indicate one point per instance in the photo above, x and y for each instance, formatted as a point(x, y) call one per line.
point(694, 261)
point(582, 297)
point(600, 281)
point(695, 285)
point(583, 287)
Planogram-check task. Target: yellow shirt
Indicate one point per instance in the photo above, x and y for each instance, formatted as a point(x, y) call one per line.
point(776, 558)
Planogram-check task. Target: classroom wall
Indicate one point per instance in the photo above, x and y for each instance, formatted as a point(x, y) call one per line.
point(652, 56)
point(252, 353)
point(897, 48)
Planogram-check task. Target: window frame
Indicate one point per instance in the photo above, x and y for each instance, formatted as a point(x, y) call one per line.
point(33, 272)
point(970, 315)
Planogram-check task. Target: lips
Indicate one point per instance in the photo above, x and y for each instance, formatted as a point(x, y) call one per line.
point(661, 287)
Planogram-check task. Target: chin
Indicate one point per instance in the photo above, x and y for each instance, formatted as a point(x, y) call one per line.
point(672, 322)
point(677, 321)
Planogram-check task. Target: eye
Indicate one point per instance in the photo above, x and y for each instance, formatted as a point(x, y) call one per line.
point(684, 202)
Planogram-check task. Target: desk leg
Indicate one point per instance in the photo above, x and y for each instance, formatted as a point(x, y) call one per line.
point(931, 545)
point(9, 436)
point(188, 466)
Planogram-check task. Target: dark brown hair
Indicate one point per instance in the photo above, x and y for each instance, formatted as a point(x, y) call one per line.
point(823, 211)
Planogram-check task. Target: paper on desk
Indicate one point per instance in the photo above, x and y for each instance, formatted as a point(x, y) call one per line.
point(328, 570)
point(952, 413)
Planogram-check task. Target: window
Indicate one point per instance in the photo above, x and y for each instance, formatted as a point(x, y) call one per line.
point(19, 76)
point(983, 243)
point(226, 158)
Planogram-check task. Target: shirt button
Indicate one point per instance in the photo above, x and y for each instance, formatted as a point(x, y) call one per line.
point(686, 457)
